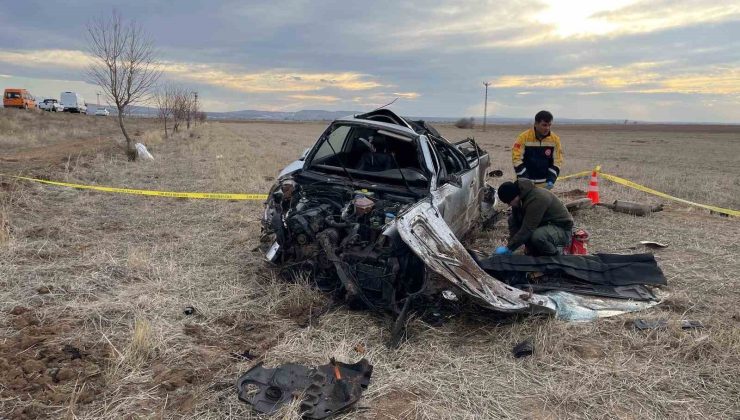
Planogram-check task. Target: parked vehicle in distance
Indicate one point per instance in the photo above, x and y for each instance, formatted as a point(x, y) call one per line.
point(73, 102)
point(103, 112)
point(18, 98)
point(51, 105)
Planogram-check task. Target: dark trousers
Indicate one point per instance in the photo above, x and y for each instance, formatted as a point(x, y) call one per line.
point(545, 240)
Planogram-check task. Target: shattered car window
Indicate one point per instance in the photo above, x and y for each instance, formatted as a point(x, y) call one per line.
point(369, 153)
point(335, 141)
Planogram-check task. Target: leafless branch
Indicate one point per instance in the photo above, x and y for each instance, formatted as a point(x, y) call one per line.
point(125, 64)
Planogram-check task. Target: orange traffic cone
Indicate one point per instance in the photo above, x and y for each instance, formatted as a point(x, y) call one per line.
point(593, 186)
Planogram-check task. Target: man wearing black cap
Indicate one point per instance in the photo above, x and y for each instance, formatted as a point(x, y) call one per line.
point(538, 219)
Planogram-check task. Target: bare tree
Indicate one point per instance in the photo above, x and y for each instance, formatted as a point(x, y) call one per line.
point(124, 65)
point(164, 99)
point(179, 107)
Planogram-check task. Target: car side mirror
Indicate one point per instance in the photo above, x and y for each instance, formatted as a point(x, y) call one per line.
point(498, 173)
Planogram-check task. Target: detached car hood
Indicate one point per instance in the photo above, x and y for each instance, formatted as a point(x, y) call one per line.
point(430, 238)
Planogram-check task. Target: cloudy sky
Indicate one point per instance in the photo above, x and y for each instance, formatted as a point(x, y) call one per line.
point(657, 60)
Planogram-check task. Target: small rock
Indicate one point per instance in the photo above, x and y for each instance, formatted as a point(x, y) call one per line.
point(64, 374)
point(43, 290)
point(33, 366)
point(25, 320)
point(74, 352)
point(18, 310)
point(189, 310)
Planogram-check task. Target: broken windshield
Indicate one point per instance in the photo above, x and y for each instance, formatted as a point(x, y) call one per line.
point(369, 153)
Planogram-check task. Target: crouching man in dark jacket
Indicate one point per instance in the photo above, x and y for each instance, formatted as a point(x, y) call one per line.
point(538, 219)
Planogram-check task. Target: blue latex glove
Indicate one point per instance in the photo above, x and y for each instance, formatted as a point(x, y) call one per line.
point(549, 185)
point(502, 250)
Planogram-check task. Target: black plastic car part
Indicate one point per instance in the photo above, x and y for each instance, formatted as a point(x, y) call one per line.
point(324, 390)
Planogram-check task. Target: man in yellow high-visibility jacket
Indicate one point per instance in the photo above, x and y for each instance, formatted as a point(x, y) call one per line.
point(537, 154)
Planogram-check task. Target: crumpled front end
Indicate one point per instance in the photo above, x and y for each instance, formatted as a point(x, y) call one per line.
point(344, 239)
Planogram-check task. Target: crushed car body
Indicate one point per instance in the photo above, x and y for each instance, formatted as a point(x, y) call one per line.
point(372, 232)
point(377, 205)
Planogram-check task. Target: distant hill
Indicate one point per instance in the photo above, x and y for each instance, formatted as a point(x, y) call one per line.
point(322, 115)
point(304, 115)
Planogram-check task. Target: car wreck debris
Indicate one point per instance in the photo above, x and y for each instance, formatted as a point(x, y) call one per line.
point(368, 235)
point(653, 244)
point(635, 209)
point(685, 324)
point(374, 214)
point(325, 390)
point(523, 349)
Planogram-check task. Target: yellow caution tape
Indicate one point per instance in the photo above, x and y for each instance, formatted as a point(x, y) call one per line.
point(628, 183)
point(575, 175)
point(229, 196)
point(172, 194)
point(643, 188)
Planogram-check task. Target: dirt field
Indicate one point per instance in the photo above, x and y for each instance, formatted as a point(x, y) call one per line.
point(93, 286)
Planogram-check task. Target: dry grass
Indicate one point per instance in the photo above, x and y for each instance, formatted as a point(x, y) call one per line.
point(110, 275)
point(4, 218)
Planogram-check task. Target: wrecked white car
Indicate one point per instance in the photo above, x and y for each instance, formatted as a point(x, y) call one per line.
point(375, 231)
point(377, 205)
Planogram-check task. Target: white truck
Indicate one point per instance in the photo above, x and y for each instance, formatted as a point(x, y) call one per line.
point(73, 102)
point(51, 105)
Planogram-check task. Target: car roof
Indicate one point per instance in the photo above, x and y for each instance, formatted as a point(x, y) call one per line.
point(377, 124)
point(385, 118)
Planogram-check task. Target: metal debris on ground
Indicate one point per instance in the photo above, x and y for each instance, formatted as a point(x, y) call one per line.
point(652, 244)
point(325, 390)
point(635, 209)
point(523, 349)
point(647, 324)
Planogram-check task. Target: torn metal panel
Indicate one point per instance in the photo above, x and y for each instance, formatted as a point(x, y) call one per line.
point(572, 307)
point(429, 237)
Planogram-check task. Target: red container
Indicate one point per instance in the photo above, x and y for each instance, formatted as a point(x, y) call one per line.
point(578, 243)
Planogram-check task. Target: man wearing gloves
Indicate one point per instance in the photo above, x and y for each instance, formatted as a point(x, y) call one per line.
point(537, 154)
point(538, 219)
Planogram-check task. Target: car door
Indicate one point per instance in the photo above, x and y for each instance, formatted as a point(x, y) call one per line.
point(455, 188)
point(479, 161)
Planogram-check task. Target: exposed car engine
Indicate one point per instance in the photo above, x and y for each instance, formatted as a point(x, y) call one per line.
point(345, 240)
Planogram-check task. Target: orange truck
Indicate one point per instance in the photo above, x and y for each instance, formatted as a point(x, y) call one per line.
point(18, 98)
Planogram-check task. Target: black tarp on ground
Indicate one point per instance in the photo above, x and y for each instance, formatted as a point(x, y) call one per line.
point(599, 269)
point(610, 275)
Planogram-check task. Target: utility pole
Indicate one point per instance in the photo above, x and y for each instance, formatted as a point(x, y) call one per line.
point(97, 104)
point(485, 106)
point(195, 117)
